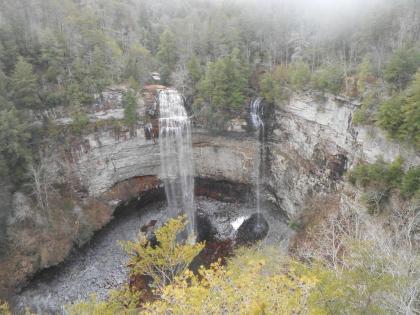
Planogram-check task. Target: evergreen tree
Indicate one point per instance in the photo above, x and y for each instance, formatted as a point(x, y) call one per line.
point(222, 89)
point(130, 108)
point(14, 152)
point(410, 129)
point(167, 54)
point(402, 66)
point(194, 70)
point(24, 85)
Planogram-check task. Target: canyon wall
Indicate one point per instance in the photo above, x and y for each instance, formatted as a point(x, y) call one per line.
point(310, 143)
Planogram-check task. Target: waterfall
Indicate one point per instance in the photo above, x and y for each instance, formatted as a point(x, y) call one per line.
point(176, 156)
point(256, 112)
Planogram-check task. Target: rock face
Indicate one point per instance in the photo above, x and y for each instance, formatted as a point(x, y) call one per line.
point(311, 142)
point(314, 142)
point(106, 168)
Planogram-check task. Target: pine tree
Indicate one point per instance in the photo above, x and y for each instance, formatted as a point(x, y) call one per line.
point(130, 108)
point(24, 85)
point(410, 129)
point(167, 54)
point(14, 152)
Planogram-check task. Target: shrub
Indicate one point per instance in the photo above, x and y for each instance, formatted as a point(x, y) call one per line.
point(402, 66)
point(365, 114)
point(329, 78)
point(364, 70)
point(113, 305)
point(378, 174)
point(390, 115)
point(165, 261)
point(400, 115)
point(130, 108)
point(411, 182)
point(80, 121)
point(378, 178)
point(300, 75)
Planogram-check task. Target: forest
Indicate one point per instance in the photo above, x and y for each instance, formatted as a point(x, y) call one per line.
point(61, 55)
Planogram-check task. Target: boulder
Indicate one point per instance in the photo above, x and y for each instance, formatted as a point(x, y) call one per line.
point(252, 230)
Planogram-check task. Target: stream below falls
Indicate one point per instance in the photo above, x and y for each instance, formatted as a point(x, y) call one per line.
point(100, 265)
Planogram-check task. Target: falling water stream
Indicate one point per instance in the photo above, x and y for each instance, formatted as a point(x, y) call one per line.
point(256, 112)
point(176, 156)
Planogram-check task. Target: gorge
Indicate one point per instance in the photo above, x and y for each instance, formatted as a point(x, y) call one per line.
point(309, 148)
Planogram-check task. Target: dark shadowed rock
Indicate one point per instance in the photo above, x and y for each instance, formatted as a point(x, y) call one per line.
point(253, 229)
point(205, 229)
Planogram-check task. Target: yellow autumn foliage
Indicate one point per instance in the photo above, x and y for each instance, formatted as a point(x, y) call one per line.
point(165, 261)
point(256, 281)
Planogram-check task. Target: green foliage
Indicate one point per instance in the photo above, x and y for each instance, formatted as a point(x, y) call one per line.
point(403, 64)
point(364, 70)
point(300, 75)
point(167, 54)
point(140, 63)
point(270, 89)
point(194, 71)
point(168, 259)
point(14, 147)
point(378, 174)
point(221, 92)
point(400, 115)
point(390, 115)
point(380, 177)
point(24, 85)
point(329, 78)
point(410, 185)
point(365, 114)
point(130, 108)
point(410, 129)
point(80, 120)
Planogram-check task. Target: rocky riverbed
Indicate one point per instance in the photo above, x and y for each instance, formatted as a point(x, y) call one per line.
point(100, 265)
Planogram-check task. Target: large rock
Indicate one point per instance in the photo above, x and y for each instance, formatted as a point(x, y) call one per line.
point(252, 230)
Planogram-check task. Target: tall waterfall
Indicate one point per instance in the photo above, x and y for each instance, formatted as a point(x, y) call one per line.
point(176, 156)
point(256, 112)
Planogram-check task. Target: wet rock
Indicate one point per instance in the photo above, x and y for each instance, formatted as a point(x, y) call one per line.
point(252, 230)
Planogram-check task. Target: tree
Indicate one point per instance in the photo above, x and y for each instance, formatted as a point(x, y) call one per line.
point(165, 261)
point(140, 63)
point(222, 90)
point(14, 148)
point(402, 66)
point(329, 78)
point(24, 85)
point(390, 115)
point(410, 128)
point(130, 109)
point(364, 70)
point(194, 70)
point(167, 54)
point(300, 75)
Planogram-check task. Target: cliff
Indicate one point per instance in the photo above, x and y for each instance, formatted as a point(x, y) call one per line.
point(310, 143)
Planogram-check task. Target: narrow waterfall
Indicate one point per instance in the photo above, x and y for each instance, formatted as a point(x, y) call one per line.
point(256, 112)
point(176, 156)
